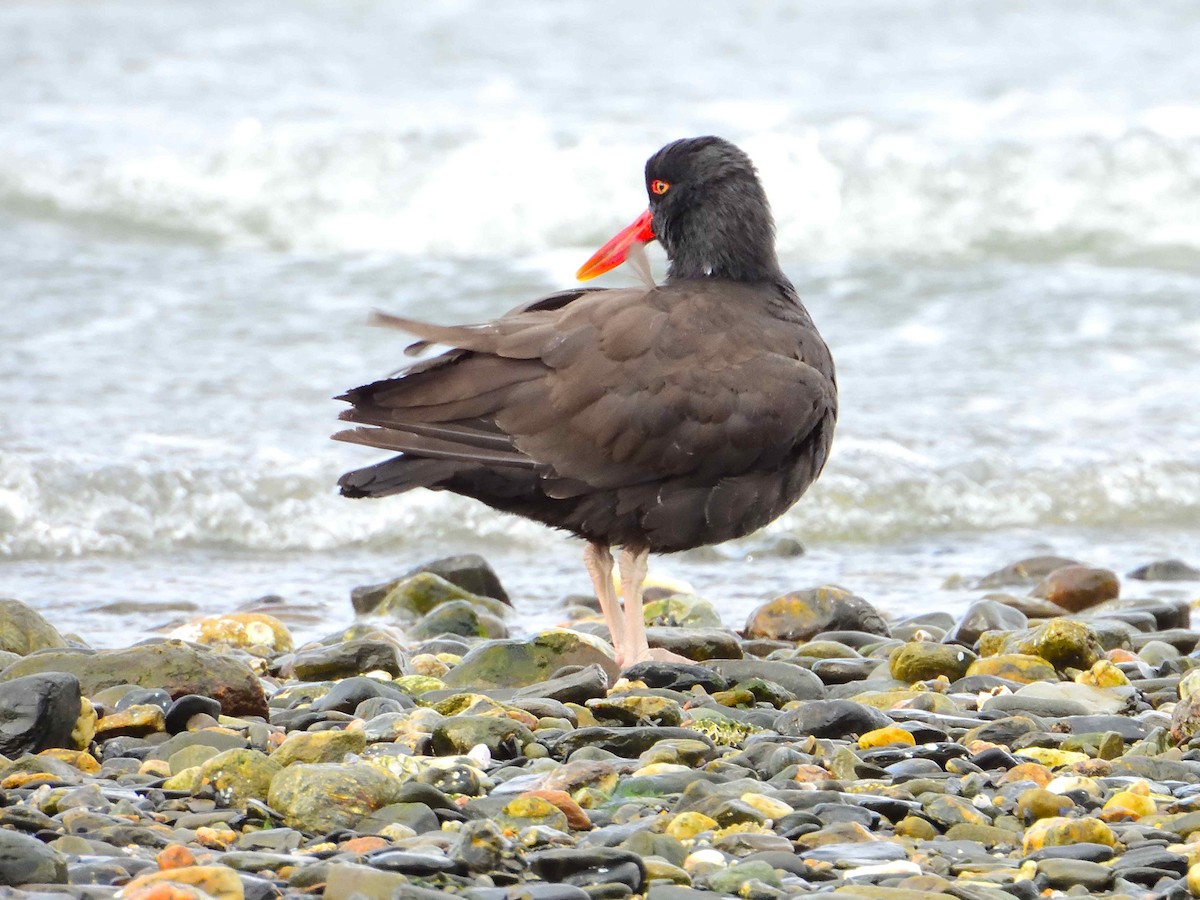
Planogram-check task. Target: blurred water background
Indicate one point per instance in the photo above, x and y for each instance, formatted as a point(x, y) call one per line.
point(992, 211)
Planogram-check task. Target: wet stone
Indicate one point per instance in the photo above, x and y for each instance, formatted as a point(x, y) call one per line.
point(38, 712)
point(831, 719)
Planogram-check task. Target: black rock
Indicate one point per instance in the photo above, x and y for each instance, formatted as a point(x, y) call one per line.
point(391, 860)
point(38, 712)
point(529, 891)
point(831, 719)
point(790, 676)
point(579, 686)
point(1091, 852)
point(346, 695)
point(845, 671)
point(179, 712)
point(985, 615)
point(590, 866)
point(676, 676)
point(147, 697)
point(1165, 570)
point(345, 659)
point(626, 742)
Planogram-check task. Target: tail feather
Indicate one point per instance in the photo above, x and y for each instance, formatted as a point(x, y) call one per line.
point(395, 476)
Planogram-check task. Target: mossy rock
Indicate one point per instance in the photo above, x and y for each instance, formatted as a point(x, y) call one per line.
point(681, 610)
point(410, 599)
point(319, 746)
point(518, 663)
point(1064, 643)
point(23, 630)
point(460, 617)
point(239, 776)
point(460, 733)
point(323, 797)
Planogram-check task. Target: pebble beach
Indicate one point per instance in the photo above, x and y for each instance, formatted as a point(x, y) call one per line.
point(1042, 743)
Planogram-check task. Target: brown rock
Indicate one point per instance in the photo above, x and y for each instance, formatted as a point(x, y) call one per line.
point(1076, 588)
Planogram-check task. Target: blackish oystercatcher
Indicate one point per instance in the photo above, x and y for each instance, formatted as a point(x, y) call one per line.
point(653, 419)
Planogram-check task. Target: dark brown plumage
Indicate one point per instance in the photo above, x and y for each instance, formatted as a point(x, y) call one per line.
point(654, 419)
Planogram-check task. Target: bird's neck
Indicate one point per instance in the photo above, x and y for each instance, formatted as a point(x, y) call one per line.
point(737, 247)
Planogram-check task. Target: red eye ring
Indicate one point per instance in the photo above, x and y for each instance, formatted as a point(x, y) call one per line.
point(658, 186)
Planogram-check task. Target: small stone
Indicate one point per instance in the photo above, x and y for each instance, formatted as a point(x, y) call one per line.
point(319, 746)
point(1018, 667)
point(503, 737)
point(460, 617)
point(686, 825)
point(184, 710)
point(23, 630)
point(577, 818)
point(248, 631)
point(411, 598)
point(1065, 873)
point(1165, 570)
point(1037, 803)
point(1026, 572)
point(925, 660)
point(831, 719)
point(1076, 588)
point(217, 882)
point(985, 615)
point(1064, 643)
point(681, 611)
point(1058, 831)
point(134, 721)
point(886, 736)
point(528, 811)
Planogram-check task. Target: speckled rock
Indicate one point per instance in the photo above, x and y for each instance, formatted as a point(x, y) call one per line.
point(1014, 667)
point(251, 631)
point(319, 798)
point(925, 660)
point(801, 615)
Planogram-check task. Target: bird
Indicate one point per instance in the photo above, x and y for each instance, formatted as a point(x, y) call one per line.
point(648, 419)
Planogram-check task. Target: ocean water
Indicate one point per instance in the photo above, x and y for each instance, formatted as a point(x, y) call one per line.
point(996, 228)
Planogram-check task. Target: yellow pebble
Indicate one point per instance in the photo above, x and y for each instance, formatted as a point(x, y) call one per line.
point(882, 737)
point(1052, 757)
point(1130, 804)
point(1103, 675)
point(768, 806)
point(687, 825)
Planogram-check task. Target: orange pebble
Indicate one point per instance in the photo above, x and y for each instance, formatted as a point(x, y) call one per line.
point(1035, 772)
point(364, 844)
point(576, 817)
point(175, 856)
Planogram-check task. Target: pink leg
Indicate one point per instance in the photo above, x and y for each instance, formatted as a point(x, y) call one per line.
point(599, 562)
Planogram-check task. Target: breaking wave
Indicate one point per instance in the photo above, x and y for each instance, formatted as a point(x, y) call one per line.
point(1120, 191)
point(67, 506)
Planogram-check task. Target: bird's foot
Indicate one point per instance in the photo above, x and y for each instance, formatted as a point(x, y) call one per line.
point(646, 654)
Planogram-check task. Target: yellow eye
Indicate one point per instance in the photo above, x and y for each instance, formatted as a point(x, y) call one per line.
point(658, 186)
